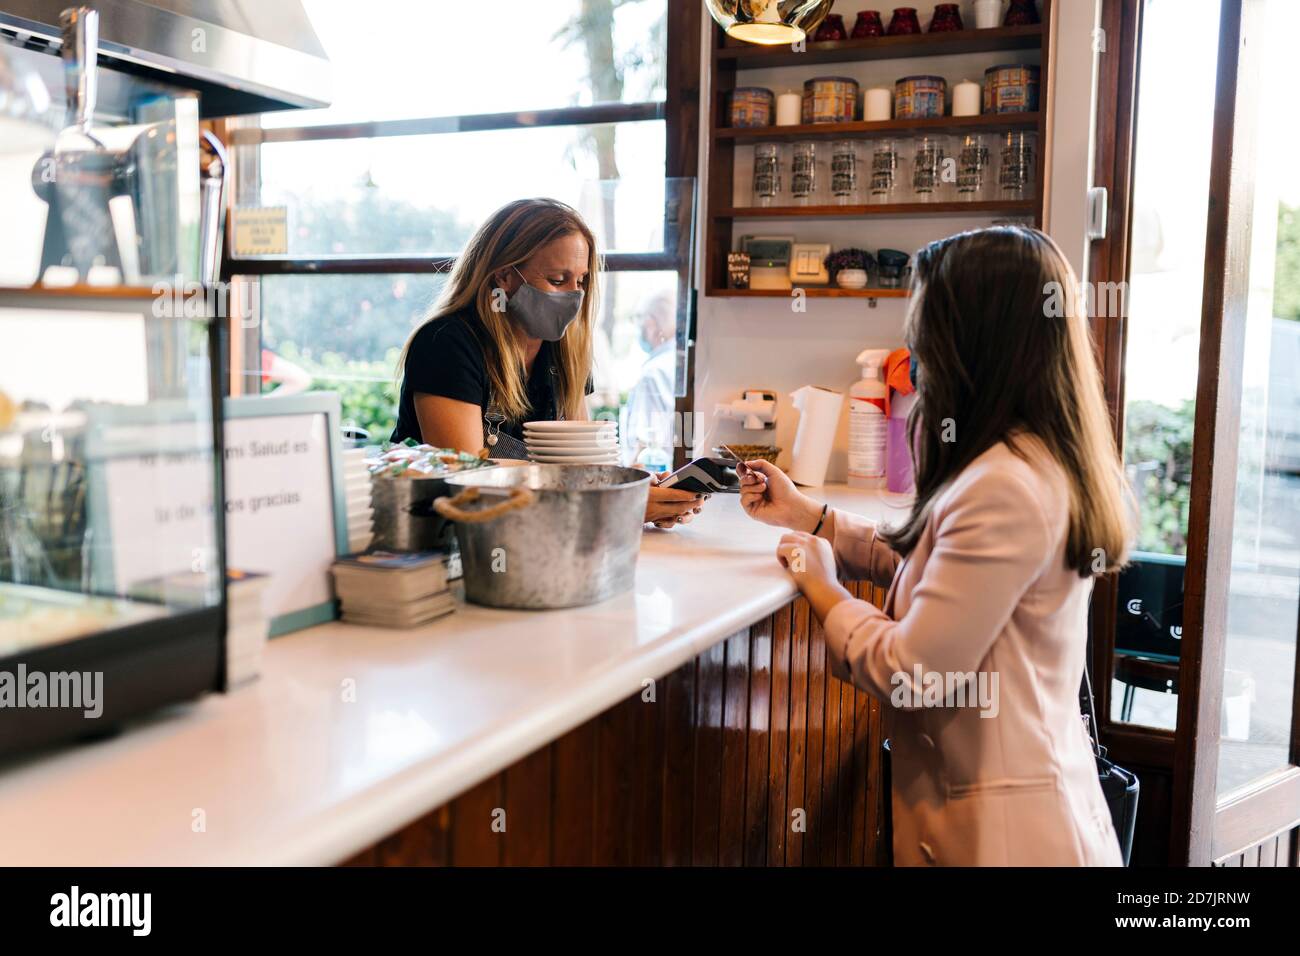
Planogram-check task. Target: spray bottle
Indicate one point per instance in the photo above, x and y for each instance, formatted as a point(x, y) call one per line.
point(898, 468)
point(868, 426)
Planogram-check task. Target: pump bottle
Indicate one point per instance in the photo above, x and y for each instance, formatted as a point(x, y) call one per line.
point(868, 426)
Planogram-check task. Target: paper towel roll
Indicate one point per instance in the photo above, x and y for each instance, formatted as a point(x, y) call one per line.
point(877, 104)
point(789, 109)
point(967, 99)
point(819, 417)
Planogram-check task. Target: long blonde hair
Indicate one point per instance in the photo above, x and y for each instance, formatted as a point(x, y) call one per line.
point(997, 357)
point(510, 237)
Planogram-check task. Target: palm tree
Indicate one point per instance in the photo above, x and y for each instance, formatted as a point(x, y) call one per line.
point(593, 28)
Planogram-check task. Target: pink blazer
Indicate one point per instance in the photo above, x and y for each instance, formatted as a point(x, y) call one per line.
point(1003, 774)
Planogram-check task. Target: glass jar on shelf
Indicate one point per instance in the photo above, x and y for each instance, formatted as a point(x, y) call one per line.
point(974, 174)
point(767, 174)
point(886, 183)
point(1017, 164)
point(933, 168)
point(844, 173)
point(803, 173)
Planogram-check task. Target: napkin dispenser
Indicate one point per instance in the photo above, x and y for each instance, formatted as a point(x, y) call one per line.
point(755, 412)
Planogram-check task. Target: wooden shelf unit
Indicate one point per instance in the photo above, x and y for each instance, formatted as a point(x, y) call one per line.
point(732, 54)
point(903, 210)
point(728, 59)
point(990, 123)
point(814, 292)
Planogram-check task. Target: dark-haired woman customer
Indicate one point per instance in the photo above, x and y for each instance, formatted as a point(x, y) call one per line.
point(1019, 504)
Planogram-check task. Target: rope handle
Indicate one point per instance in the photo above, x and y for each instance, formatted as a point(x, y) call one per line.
point(450, 508)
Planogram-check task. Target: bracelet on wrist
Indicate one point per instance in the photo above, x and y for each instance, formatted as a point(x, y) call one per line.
point(822, 520)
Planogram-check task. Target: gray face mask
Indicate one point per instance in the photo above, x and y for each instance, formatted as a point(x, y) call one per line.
point(544, 315)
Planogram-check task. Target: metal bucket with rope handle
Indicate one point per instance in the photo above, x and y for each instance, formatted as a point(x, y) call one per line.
point(547, 536)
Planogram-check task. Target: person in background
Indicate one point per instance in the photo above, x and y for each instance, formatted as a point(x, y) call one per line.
point(510, 341)
point(652, 402)
point(1020, 502)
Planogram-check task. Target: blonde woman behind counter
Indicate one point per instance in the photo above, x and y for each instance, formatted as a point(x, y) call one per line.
point(510, 341)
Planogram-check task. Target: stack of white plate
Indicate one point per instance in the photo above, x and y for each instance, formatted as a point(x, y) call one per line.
point(572, 443)
point(356, 492)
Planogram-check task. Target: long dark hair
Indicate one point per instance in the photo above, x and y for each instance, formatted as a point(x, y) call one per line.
point(1003, 355)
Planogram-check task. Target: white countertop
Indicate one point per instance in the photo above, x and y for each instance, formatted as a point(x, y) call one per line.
point(285, 772)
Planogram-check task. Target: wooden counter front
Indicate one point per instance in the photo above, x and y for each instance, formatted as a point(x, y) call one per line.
point(752, 754)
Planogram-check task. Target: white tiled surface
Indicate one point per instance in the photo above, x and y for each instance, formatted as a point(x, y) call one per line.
point(286, 771)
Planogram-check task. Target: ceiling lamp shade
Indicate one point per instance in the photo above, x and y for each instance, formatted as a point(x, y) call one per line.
point(769, 22)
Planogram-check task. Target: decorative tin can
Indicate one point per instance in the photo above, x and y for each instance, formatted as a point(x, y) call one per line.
point(830, 99)
point(738, 269)
point(1011, 89)
point(752, 106)
point(919, 97)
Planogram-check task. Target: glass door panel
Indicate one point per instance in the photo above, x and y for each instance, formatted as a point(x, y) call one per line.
point(1264, 584)
point(1178, 60)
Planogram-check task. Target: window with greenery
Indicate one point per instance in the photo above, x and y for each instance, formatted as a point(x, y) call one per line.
point(440, 115)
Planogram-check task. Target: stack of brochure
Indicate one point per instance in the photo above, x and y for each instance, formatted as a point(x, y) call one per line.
point(246, 625)
point(384, 589)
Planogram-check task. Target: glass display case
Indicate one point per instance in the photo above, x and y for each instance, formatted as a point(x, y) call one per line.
point(111, 535)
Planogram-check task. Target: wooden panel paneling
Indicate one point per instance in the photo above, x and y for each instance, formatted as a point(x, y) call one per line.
point(573, 811)
point(735, 725)
point(703, 768)
point(528, 811)
point(758, 744)
point(616, 767)
point(474, 840)
point(1277, 850)
point(832, 776)
point(709, 692)
point(648, 798)
point(815, 751)
point(679, 765)
point(427, 843)
point(796, 811)
point(779, 763)
point(1268, 852)
point(848, 767)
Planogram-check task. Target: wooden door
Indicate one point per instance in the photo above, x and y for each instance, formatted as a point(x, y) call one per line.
point(1206, 710)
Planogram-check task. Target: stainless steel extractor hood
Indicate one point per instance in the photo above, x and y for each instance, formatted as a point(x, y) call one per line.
point(241, 56)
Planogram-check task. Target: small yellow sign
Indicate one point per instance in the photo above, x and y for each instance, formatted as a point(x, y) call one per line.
point(260, 231)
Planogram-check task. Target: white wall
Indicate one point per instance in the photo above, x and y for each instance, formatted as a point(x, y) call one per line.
point(762, 343)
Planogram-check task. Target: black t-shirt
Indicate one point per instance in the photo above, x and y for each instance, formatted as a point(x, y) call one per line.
point(446, 358)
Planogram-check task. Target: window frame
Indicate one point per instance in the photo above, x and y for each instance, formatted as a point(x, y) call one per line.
point(679, 111)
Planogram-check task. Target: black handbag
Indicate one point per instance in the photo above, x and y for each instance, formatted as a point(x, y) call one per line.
point(1119, 786)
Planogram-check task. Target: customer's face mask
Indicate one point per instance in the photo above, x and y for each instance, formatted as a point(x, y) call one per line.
point(544, 315)
point(911, 369)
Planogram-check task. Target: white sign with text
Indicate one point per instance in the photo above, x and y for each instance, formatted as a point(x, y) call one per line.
point(280, 506)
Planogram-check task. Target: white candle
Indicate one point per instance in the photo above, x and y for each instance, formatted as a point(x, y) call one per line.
point(967, 98)
point(878, 104)
point(988, 13)
point(789, 109)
